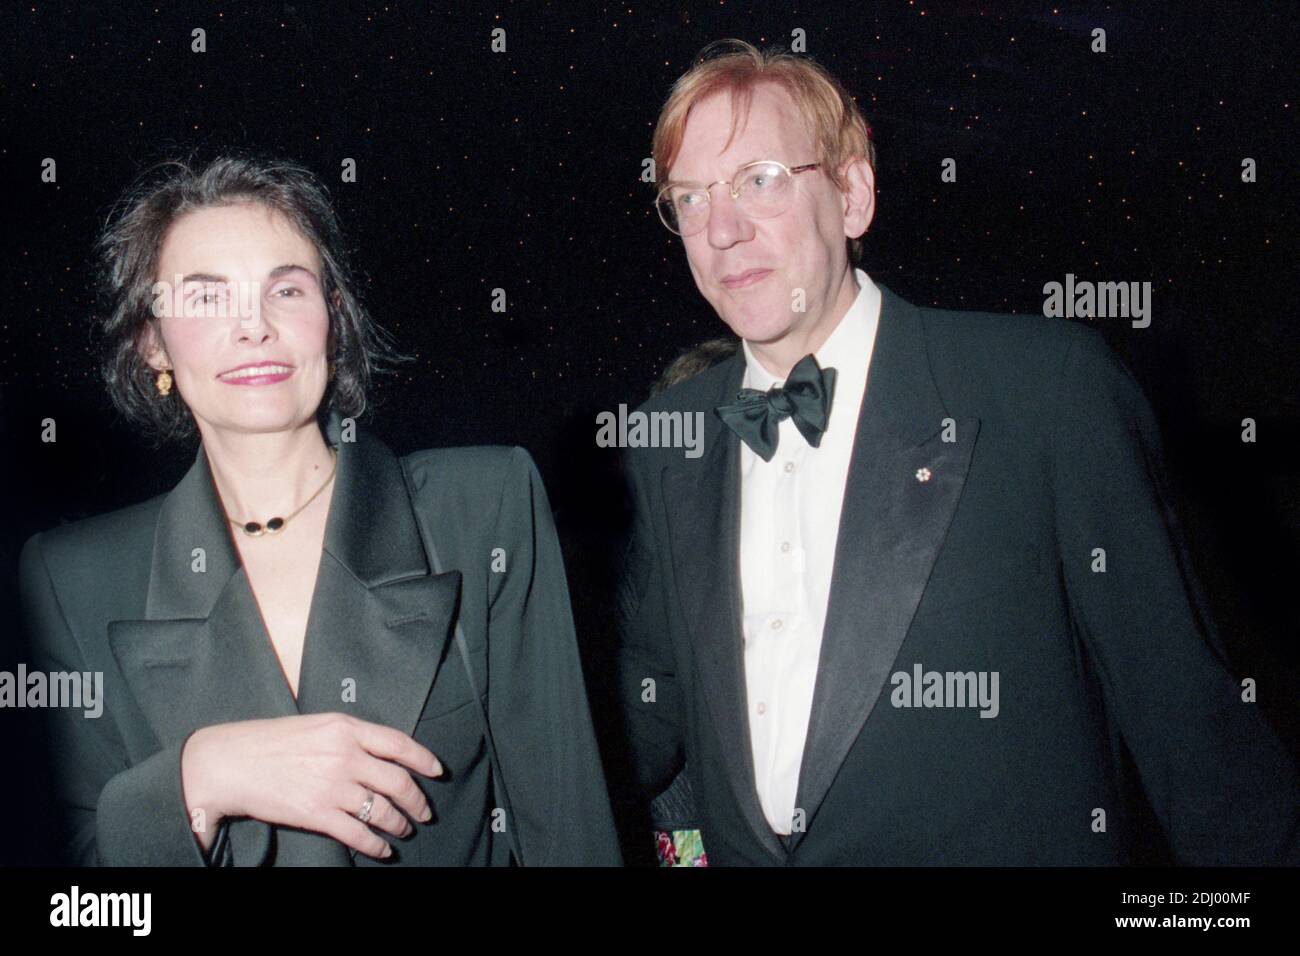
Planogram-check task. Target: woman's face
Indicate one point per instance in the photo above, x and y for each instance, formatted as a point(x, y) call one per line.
point(243, 319)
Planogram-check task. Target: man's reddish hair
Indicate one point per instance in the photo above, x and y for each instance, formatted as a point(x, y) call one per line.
point(839, 130)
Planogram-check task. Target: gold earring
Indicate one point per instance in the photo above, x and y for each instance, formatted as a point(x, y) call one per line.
point(164, 383)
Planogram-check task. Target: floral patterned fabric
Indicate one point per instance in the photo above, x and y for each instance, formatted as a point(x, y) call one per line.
point(680, 848)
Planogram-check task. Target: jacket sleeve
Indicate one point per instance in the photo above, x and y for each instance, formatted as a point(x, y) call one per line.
point(110, 813)
point(537, 701)
point(1217, 777)
point(650, 693)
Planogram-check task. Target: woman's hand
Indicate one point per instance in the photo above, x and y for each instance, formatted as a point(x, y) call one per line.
point(313, 772)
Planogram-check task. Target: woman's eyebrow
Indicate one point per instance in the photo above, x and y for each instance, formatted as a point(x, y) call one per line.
point(275, 273)
point(279, 271)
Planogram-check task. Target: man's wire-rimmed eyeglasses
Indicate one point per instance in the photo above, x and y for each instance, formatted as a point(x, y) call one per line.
point(761, 189)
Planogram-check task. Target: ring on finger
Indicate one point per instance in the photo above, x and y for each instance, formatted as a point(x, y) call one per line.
point(364, 813)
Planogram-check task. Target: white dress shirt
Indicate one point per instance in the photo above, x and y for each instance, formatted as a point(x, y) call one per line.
point(789, 522)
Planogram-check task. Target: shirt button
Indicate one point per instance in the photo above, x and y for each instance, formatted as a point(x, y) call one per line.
point(776, 624)
point(762, 708)
point(789, 466)
point(785, 547)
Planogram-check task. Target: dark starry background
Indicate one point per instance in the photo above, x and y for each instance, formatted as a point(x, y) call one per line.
point(521, 170)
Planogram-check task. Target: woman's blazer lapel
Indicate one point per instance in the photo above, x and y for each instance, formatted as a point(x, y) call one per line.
point(376, 633)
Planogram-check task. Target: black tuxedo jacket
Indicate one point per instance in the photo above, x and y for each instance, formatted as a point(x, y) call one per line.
point(986, 566)
point(182, 649)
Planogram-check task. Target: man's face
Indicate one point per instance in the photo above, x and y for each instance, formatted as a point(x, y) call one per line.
point(749, 269)
point(249, 292)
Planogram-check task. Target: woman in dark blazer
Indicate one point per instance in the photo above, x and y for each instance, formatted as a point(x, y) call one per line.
point(313, 652)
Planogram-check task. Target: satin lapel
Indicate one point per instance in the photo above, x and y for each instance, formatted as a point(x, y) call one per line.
point(703, 503)
point(892, 526)
point(201, 655)
point(380, 618)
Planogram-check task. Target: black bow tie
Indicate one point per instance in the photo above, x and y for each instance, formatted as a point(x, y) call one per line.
point(805, 397)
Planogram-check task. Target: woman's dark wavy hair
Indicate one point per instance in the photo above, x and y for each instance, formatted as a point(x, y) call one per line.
point(128, 250)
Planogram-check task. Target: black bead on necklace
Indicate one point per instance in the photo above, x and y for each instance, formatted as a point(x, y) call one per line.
point(255, 529)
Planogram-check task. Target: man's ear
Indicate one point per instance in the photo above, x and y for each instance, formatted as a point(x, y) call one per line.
point(859, 197)
point(336, 298)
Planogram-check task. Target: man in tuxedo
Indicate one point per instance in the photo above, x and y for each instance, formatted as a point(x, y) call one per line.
point(921, 600)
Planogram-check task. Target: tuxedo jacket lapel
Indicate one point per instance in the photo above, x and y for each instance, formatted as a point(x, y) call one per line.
point(377, 628)
point(704, 528)
point(893, 522)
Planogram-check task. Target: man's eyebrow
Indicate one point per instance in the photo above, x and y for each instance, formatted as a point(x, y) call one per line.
point(739, 165)
point(203, 277)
